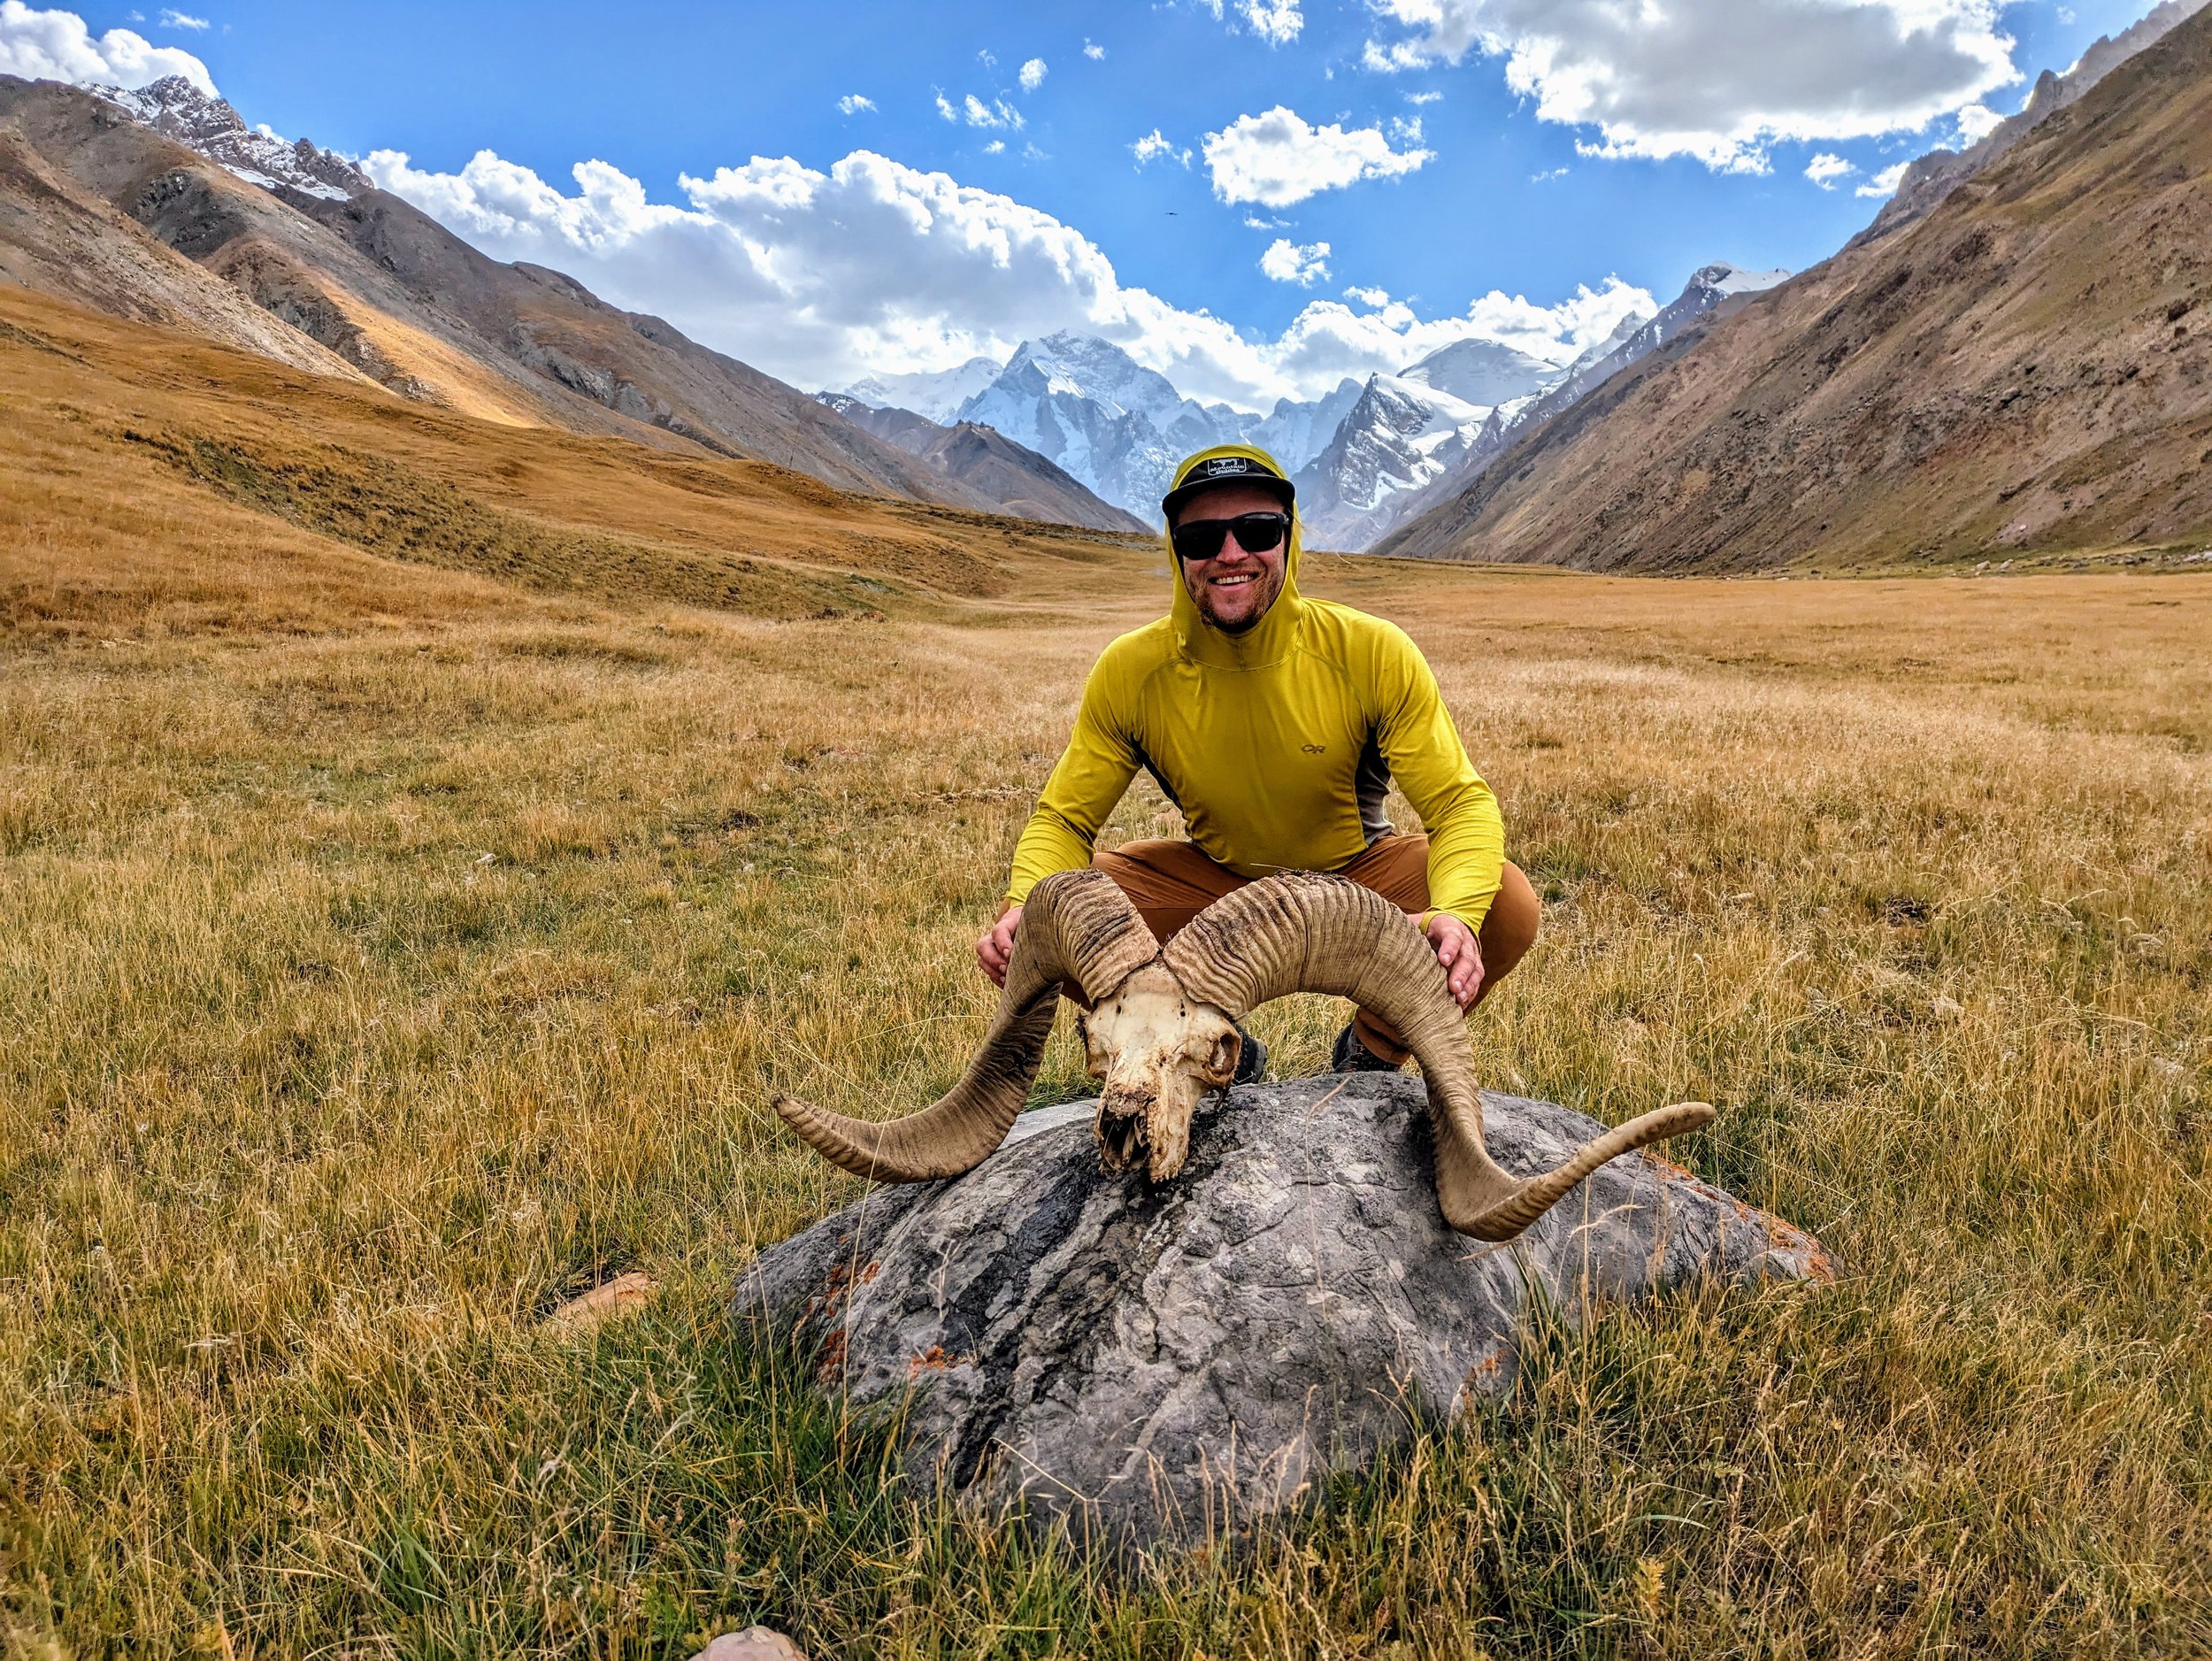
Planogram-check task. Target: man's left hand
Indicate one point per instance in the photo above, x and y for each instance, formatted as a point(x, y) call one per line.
point(1460, 953)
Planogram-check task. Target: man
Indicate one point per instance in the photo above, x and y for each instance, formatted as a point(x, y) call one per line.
point(1276, 724)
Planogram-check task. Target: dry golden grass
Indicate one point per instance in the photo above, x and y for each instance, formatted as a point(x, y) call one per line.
point(388, 954)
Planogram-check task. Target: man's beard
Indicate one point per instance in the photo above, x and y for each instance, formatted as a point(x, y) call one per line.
point(1245, 627)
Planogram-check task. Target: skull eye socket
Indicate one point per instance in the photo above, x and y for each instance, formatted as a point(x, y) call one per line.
point(1220, 1064)
point(1093, 1052)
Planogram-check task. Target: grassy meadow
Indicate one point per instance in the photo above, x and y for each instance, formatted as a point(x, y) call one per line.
point(392, 947)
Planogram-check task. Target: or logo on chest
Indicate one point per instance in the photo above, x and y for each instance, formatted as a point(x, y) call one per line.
point(1314, 749)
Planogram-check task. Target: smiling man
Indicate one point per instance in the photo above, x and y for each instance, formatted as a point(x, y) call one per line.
point(1276, 724)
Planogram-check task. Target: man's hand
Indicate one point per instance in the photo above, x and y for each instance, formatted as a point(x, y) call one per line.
point(1457, 949)
point(996, 950)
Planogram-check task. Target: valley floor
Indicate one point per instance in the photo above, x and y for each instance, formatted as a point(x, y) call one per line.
point(380, 963)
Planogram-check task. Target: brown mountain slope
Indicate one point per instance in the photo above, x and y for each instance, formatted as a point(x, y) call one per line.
point(57, 238)
point(2029, 368)
point(289, 266)
point(404, 302)
point(152, 482)
point(647, 369)
point(1021, 481)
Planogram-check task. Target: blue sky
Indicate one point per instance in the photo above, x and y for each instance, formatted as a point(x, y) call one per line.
point(1496, 195)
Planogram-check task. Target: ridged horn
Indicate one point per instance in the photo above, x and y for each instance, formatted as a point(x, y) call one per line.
point(1302, 932)
point(1077, 926)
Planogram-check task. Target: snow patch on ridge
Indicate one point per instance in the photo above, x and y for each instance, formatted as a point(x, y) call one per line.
point(177, 109)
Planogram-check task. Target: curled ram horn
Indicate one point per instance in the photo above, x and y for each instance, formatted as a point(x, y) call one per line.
point(1302, 931)
point(1077, 927)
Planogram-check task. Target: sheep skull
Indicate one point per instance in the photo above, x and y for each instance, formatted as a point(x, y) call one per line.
point(1155, 1051)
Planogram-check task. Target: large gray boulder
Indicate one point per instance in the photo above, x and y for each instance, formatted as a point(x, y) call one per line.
point(1171, 1361)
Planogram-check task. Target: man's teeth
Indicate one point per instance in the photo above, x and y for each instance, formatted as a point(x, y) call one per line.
point(1231, 582)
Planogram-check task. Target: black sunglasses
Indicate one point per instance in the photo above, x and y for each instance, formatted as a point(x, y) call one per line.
point(1256, 533)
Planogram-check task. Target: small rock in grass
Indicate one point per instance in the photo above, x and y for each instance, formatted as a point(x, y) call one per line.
point(621, 1296)
point(755, 1643)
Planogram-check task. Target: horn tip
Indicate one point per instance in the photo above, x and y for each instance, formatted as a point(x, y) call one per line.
point(1684, 1116)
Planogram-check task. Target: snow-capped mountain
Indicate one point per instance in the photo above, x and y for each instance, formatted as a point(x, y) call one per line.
point(1398, 434)
point(176, 109)
point(1707, 287)
point(1405, 431)
point(1623, 332)
point(1480, 372)
point(935, 393)
point(1710, 287)
point(1294, 433)
point(1089, 406)
point(1638, 336)
point(1361, 454)
point(1022, 483)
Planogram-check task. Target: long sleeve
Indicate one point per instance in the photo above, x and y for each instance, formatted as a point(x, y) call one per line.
point(1084, 786)
point(1421, 744)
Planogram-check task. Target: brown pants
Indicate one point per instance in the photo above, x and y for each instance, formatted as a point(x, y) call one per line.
point(1170, 882)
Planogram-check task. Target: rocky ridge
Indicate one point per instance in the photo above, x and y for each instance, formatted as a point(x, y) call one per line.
point(1398, 435)
point(1711, 291)
point(981, 458)
point(1931, 177)
point(174, 108)
point(2025, 371)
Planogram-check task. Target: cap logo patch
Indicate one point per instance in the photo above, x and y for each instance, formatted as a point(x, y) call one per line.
point(1226, 466)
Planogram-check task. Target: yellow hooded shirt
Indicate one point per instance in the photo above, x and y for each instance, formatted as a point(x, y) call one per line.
point(1278, 744)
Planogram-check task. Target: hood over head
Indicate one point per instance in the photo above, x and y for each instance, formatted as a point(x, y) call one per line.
point(1269, 640)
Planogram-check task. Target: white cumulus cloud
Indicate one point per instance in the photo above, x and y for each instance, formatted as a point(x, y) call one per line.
point(41, 45)
point(1033, 75)
point(1275, 21)
point(975, 112)
point(1368, 296)
point(172, 18)
point(1975, 121)
point(1157, 146)
point(1885, 183)
point(820, 277)
point(1279, 158)
point(1093, 52)
point(854, 102)
point(1718, 82)
point(1304, 265)
point(1824, 169)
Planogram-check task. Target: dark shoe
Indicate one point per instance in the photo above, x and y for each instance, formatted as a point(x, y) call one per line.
point(1251, 1060)
point(1351, 1056)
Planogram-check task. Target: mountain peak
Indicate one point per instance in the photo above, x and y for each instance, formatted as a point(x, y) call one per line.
point(1482, 371)
point(1084, 361)
point(1725, 279)
point(176, 109)
point(935, 393)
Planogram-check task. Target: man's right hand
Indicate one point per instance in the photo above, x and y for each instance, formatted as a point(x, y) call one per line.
point(996, 950)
